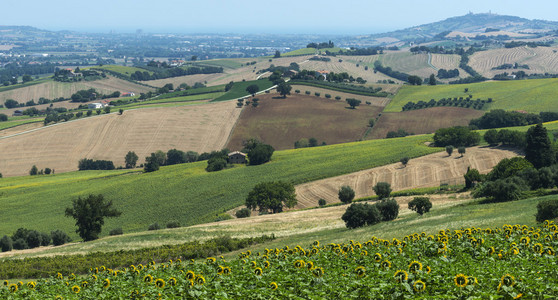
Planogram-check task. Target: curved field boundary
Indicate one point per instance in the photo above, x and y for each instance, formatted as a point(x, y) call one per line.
point(426, 171)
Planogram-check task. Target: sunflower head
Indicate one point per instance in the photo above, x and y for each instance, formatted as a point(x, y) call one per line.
point(106, 283)
point(360, 271)
point(273, 286)
point(227, 271)
point(76, 289)
point(160, 283)
point(377, 257)
point(220, 270)
point(507, 280)
point(538, 248)
point(472, 280)
point(318, 272)
point(13, 287)
point(148, 278)
point(386, 264)
point(172, 281)
point(401, 276)
point(200, 280)
point(309, 265)
point(428, 270)
point(258, 271)
point(460, 280)
point(415, 266)
point(419, 286)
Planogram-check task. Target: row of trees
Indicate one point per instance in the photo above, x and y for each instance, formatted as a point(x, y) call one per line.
point(456, 136)
point(467, 102)
point(162, 73)
point(27, 239)
point(498, 118)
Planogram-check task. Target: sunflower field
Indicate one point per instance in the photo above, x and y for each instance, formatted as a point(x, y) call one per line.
point(509, 262)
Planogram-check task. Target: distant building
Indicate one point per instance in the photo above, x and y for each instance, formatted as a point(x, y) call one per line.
point(237, 157)
point(95, 105)
point(324, 73)
point(130, 94)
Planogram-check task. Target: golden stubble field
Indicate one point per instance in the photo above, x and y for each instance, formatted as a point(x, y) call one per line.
point(199, 128)
point(539, 60)
point(426, 171)
point(54, 89)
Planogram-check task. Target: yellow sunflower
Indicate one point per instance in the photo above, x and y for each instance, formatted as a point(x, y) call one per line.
point(148, 278)
point(31, 285)
point(76, 289)
point(377, 257)
point(419, 286)
point(227, 271)
point(507, 280)
point(273, 286)
point(318, 272)
point(160, 283)
point(428, 270)
point(360, 271)
point(415, 266)
point(309, 265)
point(266, 264)
point(460, 280)
point(401, 276)
point(13, 287)
point(386, 264)
point(220, 270)
point(258, 271)
point(200, 280)
point(538, 248)
point(6, 283)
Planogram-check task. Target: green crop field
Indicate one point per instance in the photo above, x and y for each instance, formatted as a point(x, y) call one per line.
point(185, 192)
point(533, 95)
point(17, 122)
point(126, 71)
point(225, 63)
point(303, 51)
point(239, 89)
point(20, 85)
point(405, 61)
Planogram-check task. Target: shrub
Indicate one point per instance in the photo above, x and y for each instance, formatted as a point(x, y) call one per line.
point(322, 202)
point(404, 161)
point(358, 215)
point(20, 244)
point(59, 237)
point(389, 209)
point(472, 177)
point(34, 170)
point(116, 231)
point(6, 244)
point(173, 224)
point(382, 189)
point(449, 149)
point(33, 239)
point(346, 194)
point(297, 91)
point(260, 154)
point(48, 171)
point(317, 94)
point(45, 239)
point(421, 205)
point(502, 190)
point(307, 92)
point(456, 136)
point(223, 217)
point(337, 98)
point(243, 213)
point(3, 117)
point(328, 96)
point(491, 137)
point(154, 226)
point(546, 210)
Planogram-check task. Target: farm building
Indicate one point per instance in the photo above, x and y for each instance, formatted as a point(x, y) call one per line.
point(95, 105)
point(127, 94)
point(323, 73)
point(237, 157)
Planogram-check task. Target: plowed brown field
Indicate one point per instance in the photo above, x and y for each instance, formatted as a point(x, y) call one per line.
point(420, 121)
point(280, 122)
point(424, 171)
point(199, 128)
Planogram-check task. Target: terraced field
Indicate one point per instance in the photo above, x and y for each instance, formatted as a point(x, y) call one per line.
point(424, 171)
point(539, 60)
point(55, 89)
point(348, 65)
point(112, 136)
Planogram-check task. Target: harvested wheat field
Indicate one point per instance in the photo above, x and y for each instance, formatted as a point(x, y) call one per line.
point(349, 65)
point(426, 171)
point(199, 128)
point(281, 122)
point(539, 60)
point(420, 121)
point(55, 89)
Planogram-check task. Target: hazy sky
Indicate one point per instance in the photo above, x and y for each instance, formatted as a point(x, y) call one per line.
point(256, 16)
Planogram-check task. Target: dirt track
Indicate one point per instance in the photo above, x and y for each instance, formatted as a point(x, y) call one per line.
point(198, 128)
point(424, 171)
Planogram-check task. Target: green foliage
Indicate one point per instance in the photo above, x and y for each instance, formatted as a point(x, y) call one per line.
point(260, 154)
point(243, 213)
point(322, 202)
point(472, 177)
point(382, 189)
point(389, 209)
point(353, 103)
point(346, 194)
point(3, 118)
point(547, 210)
point(502, 190)
point(116, 231)
point(34, 170)
point(216, 164)
point(238, 90)
point(151, 163)
point(131, 159)
point(252, 89)
point(59, 237)
point(461, 150)
point(271, 197)
point(358, 215)
point(508, 167)
point(154, 226)
point(491, 137)
point(90, 164)
point(89, 214)
point(420, 204)
point(6, 244)
point(404, 161)
point(538, 149)
point(173, 224)
point(284, 89)
point(456, 136)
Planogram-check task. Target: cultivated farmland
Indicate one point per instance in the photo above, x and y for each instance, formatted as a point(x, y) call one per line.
point(197, 127)
point(54, 89)
point(420, 121)
point(425, 171)
point(540, 60)
point(281, 122)
point(348, 65)
point(534, 95)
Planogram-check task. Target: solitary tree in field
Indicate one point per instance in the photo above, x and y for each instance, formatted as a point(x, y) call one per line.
point(284, 89)
point(253, 89)
point(449, 150)
point(421, 205)
point(432, 80)
point(277, 54)
point(34, 170)
point(461, 150)
point(131, 159)
point(353, 102)
point(346, 194)
point(538, 149)
point(271, 196)
point(382, 189)
point(404, 161)
point(90, 214)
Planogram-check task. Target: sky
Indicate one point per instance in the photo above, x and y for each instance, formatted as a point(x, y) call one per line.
point(256, 16)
